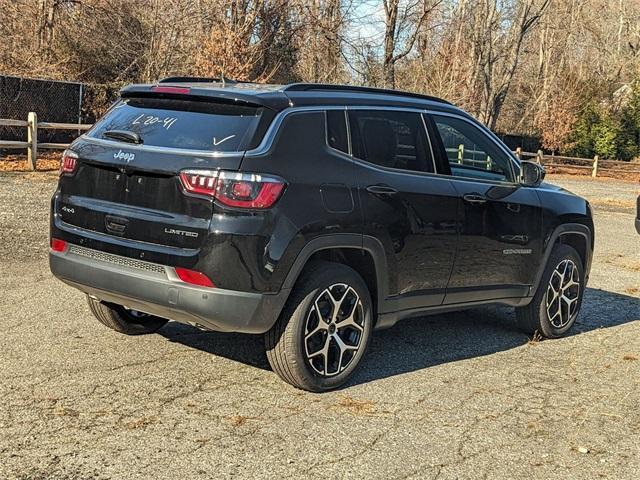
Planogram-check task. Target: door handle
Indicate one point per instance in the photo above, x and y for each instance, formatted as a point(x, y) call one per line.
point(381, 190)
point(474, 198)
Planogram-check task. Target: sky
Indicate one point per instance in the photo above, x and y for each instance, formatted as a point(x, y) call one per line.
point(369, 20)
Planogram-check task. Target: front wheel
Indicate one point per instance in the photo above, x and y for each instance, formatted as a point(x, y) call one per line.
point(323, 331)
point(556, 304)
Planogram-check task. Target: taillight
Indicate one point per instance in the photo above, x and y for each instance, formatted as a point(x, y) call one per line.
point(193, 277)
point(58, 245)
point(199, 181)
point(240, 190)
point(68, 162)
point(247, 190)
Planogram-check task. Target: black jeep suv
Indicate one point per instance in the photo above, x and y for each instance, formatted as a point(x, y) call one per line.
point(312, 214)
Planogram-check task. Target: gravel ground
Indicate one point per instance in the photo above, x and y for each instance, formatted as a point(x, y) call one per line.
point(460, 395)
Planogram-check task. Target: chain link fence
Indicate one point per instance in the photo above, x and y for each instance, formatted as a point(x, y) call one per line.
point(53, 101)
point(525, 142)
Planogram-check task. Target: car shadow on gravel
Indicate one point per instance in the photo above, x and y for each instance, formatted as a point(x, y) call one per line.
point(423, 342)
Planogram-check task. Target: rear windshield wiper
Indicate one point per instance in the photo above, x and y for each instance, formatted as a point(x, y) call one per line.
point(123, 136)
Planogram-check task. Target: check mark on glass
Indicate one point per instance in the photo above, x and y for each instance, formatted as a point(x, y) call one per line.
point(216, 143)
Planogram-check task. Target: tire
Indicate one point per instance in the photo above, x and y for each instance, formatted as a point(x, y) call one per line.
point(555, 318)
point(316, 356)
point(123, 320)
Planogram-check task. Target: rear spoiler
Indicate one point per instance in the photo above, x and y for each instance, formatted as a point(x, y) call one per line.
point(274, 100)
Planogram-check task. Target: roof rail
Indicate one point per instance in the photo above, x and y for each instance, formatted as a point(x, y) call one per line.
point(222, 80)
point(300, 87)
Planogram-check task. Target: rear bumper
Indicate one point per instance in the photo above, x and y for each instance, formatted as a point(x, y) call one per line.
point(155, 289)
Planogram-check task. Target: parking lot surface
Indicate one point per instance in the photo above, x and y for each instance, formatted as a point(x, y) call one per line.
point(460, 395)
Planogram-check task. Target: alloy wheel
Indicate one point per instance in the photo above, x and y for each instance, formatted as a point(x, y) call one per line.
point(563, 293)
point(334, 330)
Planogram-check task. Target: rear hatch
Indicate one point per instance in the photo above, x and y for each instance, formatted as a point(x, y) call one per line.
point(126, 184)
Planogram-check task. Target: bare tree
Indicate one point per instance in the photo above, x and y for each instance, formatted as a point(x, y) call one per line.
point(495, 40)
point(525, 66)
point(247, 40)
point(403, 22)
point(320, 40)
point(580, 53)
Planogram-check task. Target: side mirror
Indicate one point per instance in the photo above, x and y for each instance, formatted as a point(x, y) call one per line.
point(531, 174)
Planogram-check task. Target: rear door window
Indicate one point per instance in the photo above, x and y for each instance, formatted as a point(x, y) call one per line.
point(185, 124)
point(392, 139)
point(337, 136)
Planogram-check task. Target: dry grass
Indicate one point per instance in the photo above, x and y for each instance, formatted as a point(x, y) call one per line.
point(535, 339)
point(622, 261)
point(613, 202)
point(238, 420)
point(602, 173)
point(61, 411)
point(635, 266)
point(357, 407)
point(632, 290)
point(140, 423)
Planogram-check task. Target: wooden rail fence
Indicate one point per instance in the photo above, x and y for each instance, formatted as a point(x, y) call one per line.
point(594, 164)
point(458, 155)
point(31, 145)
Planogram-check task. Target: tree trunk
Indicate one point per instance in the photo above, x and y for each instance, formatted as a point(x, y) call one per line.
point(388, 64)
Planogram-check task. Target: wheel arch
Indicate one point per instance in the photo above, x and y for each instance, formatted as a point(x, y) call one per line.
point(576, 235)
point(578, 241)
point(362, 253)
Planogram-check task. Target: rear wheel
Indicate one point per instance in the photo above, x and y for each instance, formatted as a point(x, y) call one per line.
point(323, 331)
point(124, 320)
point(556, 304)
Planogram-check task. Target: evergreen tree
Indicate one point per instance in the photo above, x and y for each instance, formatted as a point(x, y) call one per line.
point(629, 136)
point(605, 137)
point(583, 135)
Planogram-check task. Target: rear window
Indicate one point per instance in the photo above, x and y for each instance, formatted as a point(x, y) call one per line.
point(191, 125)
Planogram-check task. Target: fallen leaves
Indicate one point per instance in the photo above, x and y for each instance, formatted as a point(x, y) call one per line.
point(18, 163)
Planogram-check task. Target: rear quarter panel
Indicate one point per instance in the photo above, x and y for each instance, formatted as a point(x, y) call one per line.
point(321, 198)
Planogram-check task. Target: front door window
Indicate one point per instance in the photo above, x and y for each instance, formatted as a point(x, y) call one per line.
point(471, 153)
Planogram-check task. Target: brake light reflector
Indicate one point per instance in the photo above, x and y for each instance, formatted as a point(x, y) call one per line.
point(178, 90)
point(68, 162)
point(193, 277)
point(260, 195)
point(240, 190)
point(58, 245)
